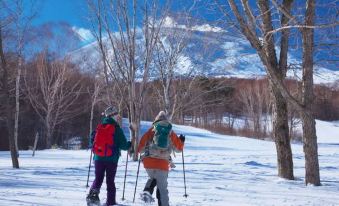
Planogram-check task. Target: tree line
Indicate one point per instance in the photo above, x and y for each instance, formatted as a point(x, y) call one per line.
point(59, 102)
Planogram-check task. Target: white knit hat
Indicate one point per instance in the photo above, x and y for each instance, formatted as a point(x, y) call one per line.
point(161, 116)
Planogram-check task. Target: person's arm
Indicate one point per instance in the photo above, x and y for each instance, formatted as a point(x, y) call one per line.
point(177, 143)
point(145, 138)
point(91, 139)
point(120, 137)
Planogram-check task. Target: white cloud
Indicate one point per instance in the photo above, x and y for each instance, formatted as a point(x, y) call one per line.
point(84, 34)
point(171, 23)
point(207, 28)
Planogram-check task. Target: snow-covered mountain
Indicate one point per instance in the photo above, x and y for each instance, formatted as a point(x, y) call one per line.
point(213, 51)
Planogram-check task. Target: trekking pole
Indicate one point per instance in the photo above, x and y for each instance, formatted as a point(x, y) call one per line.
point(89, 167)
point(183, 167)
point(123, 191)
point(136, 181)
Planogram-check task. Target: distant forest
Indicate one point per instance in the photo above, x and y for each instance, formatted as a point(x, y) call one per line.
point(212, 103)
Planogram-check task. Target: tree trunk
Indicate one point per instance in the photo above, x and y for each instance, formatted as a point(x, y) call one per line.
point(166, 99)
point(91, 119)
point(134, 128)
point(48, 136)
point(136, 133)
point(17, 105)
point(280, 114)
point(281, 135)
point(35, 143)
point(309, 131)
point(9, 123)
point(14, 156)
point(312, 175)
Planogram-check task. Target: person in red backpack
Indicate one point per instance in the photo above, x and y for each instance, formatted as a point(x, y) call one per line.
point(107, 141)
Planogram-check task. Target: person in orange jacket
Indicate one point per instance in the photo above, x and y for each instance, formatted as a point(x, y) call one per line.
point(156, 146)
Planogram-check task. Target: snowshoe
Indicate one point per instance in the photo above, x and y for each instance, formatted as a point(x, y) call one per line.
point(146, 197)
point(93, 198)
point(116, 204)
point(93, 203)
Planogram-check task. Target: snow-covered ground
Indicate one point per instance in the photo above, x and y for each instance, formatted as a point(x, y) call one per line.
point(220, 170)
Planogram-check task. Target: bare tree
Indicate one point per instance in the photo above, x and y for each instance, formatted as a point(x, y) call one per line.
point(22, 25)
point(265, 50)
point(94, 100)
point(265, 47)
point(309, 131)
point(15, 21)
point(256, 104)
point(52, 89)
point(5, 90)
point(195, 96)
point(168, 51)
point(128, 48)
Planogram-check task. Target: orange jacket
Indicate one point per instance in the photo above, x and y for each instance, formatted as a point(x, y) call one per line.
point(155, 163)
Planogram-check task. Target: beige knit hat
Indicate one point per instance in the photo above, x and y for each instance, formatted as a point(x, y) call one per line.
point(110, 111)
point(161, 116)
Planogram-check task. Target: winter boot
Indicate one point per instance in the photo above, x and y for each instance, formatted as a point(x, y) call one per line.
point(146, 197)
point(93, 198)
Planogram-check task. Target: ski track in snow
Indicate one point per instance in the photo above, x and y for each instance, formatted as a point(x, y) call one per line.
point(220, 170)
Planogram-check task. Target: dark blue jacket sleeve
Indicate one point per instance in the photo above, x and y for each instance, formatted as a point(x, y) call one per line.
point(91, 140)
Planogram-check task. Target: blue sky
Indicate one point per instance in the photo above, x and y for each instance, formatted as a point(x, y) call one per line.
point(70, 11)
point(73, 12)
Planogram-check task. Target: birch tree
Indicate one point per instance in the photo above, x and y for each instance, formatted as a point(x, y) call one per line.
point(256, 105)
point(53, 88)
point(94, 95)
point(21, 27)
point(15, 21)
point(168, 51)
point(132, 29)
point(5, 90)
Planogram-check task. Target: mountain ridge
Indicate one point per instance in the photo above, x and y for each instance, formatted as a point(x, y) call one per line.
point(214, 52)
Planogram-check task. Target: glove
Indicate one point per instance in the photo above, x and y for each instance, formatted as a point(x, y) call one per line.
point(182, 138)
point(130, 149)
point(129, 143)
point(90, 146)
point(91, 139)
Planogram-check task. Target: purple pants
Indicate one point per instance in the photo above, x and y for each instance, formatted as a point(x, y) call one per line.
point(110, 168)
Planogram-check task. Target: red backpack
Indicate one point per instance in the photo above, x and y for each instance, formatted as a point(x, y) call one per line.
point(103, 140)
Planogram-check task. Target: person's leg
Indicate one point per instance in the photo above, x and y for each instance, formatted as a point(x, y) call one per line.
point(150, 185)
point(151, 181)
point(158, 197)
point(146, 195)
point(110, 181)
point(161, 177)
point(99, 175)
point(93, 195)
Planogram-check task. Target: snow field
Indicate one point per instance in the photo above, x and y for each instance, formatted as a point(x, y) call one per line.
point(220, 170)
